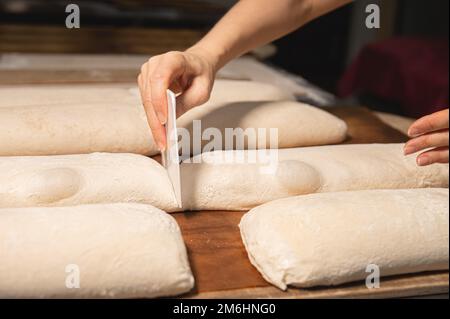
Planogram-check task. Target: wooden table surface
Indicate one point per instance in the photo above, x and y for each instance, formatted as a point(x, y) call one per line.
point(221, 266)
point(222, 270)
point(99, 39)
point(217, 256)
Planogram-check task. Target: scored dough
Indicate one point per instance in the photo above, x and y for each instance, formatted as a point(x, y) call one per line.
point(330, 239)
point(59, 120)
point(213, 184)
point(118, 251)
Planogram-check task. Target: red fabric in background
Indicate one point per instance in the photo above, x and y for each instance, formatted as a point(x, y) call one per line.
point(410, 71)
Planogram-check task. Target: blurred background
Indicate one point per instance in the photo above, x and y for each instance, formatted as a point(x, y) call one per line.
point(401, 68)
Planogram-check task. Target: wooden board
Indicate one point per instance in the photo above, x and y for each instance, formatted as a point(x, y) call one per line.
point(364, 127)
point(218, 257)
point(101, 39)
point(221, 266)
point(222, 270)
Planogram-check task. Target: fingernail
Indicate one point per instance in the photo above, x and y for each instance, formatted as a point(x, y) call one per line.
point(161, 118)
point(423, 161)
point(413, 132)
point(408, 150)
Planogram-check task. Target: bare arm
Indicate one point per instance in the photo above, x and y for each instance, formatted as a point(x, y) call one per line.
point(249, 24)
point(252, 23)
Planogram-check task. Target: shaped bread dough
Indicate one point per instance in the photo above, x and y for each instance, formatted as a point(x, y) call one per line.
point(237, 186)
point(58, 120)
point(330, 239)
point(214, 183)
point(298, 124)
point(227, 180)
point(67, 180)
point(116, 251)
point(224, 91)
point(75, 128)
point(367, 166)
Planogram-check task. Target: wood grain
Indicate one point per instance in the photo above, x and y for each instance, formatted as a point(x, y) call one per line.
point(364, 127)
point(424, 284)
point(56, 39)
point(218, 257)
point(221, 266)
point(222, 269)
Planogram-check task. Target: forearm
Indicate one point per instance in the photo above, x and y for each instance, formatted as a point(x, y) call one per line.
point(251, 23)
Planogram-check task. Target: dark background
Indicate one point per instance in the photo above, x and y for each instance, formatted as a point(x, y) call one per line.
point(320, 52)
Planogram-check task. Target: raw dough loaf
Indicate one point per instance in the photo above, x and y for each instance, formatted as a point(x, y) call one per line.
point(120, 251)
point(221, 184)
point(329, 239)
point(224, 91)
point(75, 128)
point(67, 180)
point(213, 184)
point(58, 120)
point(298, 124)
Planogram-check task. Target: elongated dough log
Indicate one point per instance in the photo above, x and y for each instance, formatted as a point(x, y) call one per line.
point(77, 128)
point(367, 166)
point(116, 251)
point(213, 184)
point(58, 120)
point(238, 186)
point(298, 124)
point(329, 239)
point(218, 183)
point(68, 180)
point(224, 91)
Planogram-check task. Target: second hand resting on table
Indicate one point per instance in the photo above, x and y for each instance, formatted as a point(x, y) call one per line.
point(249, 24)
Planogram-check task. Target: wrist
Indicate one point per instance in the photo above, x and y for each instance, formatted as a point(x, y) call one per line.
point(213, 59)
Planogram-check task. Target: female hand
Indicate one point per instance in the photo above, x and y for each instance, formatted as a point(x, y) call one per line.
point(189, 73)
point(430, 133)
point(247, 25)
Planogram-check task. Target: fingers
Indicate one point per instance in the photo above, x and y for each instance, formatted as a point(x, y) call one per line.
point(185, 73)
point(157, 75)
point(198, 93)
point(158, 130)
point(437, 155)
point(430, 140)
point(433, 122)
point(170, 67)
point(430, 132)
